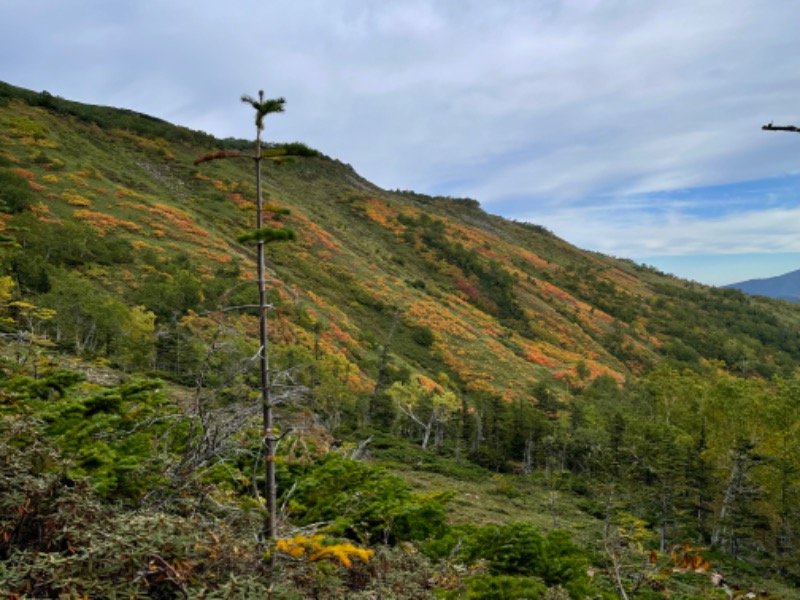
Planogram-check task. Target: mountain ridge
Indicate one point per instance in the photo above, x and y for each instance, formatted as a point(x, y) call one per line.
point(783, 287)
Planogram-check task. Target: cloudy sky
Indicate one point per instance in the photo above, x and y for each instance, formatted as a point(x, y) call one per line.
point(630, 127)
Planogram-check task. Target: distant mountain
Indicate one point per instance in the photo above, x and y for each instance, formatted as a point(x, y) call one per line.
point(784, 287)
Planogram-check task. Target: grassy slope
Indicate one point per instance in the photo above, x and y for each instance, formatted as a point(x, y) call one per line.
point(353, 255)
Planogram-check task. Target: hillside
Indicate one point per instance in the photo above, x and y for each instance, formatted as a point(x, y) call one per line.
point(443, 336)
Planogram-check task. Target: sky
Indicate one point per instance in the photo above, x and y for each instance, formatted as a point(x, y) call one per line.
point(627, 127)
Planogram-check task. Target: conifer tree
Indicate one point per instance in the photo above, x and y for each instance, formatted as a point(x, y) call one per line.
point(262, 235)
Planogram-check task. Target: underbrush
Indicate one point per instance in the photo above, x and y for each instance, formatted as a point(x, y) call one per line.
point(115, 492)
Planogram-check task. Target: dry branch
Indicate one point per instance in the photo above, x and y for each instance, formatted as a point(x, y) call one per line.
point(222, 154)
point(772, 127)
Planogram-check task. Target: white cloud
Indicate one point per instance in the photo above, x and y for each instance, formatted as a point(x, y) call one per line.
point(634, 229)
point(566, 111)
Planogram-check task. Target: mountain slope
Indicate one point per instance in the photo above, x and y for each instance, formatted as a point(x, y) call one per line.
point(508, 303)
point(465, 348)
point(783, 287)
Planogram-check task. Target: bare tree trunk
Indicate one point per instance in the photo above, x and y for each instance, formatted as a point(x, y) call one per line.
point(527, 460)
point(614, 553)
point(427, 428)
point(662, 529)
point(270, 491)
point(731, 495)
point(426, 436)
point(439, 434)
point(477, 441)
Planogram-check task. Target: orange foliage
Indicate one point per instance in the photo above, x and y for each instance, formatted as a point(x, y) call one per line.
point(429, 384)
point(24, 173)
point(317, 300)
point(379, 212)
point(534, 356)
point(460, 364)
point(340, 336)
point(179, 219)
point(126, 193)
point(131, 205)
point(474, 239)
point(627, 282)
point(241, 202)
point(216, 257)
point(437, 317)
point(359, 383)
point(596, 370)
point(556, 292)
point(140, 245)
point(491, 253)
point(536, 260)
point(314, 235)
point(104, 222)
point(689, 558)
point(492, 330)
point(481, 382)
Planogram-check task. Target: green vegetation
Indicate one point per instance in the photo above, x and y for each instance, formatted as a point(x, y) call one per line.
point(465, 407)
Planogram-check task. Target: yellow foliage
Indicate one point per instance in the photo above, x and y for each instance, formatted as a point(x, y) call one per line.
point(314, 549)
point(75, 199)
point(28, 310)
point(6, 289)
point(77, 178)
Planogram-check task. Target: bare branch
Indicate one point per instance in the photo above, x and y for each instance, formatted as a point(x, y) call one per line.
point(222, 154)
point(280, 398)
point(772, 127)
point(237, 307)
